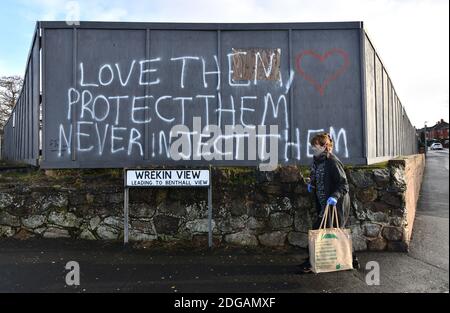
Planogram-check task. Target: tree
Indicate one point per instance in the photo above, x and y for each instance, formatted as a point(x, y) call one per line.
point(10, 87)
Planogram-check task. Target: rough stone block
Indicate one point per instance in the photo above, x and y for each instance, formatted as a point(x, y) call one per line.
point(7, 219)
point(243, 238)
point(361, 178)
point(392, 233)
point(298, 239)
point(367, 194)
point(377, 244)
point(166, 224)
point(54, 232)
point(382, 177)
point(371, 229)
point(273, 239)
point(280, 220)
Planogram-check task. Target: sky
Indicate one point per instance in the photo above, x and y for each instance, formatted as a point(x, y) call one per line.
point(411, 36)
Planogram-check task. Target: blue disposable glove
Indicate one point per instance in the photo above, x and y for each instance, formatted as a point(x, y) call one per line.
point(309, 188)
point(332, 201)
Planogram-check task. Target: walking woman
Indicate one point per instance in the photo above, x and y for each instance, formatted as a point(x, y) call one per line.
point(328, 182)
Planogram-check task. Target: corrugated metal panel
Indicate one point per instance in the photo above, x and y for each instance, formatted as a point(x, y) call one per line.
point(370, 99)
point(379, 106)
point(386, 111)
point(21, 130)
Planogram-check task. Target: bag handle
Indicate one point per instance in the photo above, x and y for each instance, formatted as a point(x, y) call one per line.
point(334, 216)
point(324, 218)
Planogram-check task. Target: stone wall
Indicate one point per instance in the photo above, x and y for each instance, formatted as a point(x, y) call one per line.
point(250, 208)
point(412, 168)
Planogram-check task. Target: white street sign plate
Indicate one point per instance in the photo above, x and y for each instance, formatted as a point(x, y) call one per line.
point(167, 178)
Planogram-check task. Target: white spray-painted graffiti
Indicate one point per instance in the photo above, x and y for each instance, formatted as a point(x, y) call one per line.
point(123, 124)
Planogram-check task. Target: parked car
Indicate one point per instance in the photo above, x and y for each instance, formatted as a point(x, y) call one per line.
point(436, 146)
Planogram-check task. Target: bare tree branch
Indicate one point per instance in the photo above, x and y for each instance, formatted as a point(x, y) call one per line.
point(10, 88)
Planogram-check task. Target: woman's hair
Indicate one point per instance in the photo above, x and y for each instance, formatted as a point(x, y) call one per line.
point(323, 139)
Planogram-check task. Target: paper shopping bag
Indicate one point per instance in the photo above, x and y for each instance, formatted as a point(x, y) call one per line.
point(330, 249)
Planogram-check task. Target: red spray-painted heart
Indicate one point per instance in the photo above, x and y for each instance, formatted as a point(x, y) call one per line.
point(320, 86)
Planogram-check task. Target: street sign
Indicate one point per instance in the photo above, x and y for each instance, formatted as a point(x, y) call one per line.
point(167, 178)
point(150, 178)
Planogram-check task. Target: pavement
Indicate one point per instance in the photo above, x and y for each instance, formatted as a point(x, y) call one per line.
point(38, 265)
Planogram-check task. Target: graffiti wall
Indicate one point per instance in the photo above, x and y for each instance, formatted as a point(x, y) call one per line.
point(112, 97)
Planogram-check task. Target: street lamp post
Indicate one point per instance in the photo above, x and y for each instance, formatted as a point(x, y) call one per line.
point(425, 138)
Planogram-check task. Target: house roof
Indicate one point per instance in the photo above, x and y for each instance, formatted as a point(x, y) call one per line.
point(440, 125)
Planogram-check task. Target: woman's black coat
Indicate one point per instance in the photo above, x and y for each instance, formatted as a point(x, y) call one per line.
point(336, 186)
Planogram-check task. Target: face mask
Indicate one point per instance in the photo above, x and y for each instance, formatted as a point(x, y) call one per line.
point(317, 150)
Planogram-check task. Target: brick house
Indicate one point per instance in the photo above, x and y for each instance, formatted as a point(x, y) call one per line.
point(438, 132)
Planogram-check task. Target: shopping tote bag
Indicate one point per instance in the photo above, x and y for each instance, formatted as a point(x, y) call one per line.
point(330, 249)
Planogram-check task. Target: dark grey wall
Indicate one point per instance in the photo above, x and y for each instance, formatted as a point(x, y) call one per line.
point(319, 87)
point(325, 93)
point(389, 130)
point(21, 131)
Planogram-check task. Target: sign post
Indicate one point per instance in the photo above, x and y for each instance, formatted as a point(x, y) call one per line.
point(161, 178)
point(125, 211)
point(210, 243)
